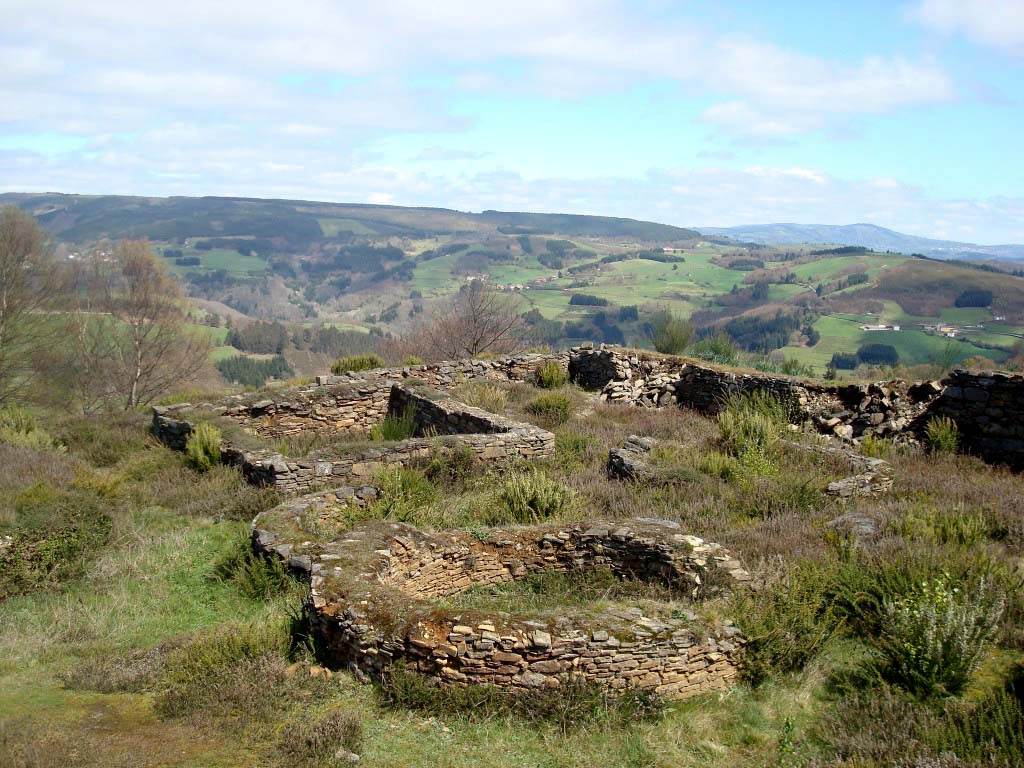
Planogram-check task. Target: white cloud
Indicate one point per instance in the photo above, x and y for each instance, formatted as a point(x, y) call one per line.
point(113, 60)
point(994, 23)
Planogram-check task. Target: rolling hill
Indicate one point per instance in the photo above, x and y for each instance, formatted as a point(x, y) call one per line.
point(866, 235)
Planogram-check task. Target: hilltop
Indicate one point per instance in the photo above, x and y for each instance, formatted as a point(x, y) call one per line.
point(377, 270)
point(867, 236)
point(81, 218)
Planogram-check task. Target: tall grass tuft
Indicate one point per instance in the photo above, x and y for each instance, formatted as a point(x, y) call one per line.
point(530, 496)
point(577, 703)
point(403, 491)
point(202, 451)
point(483, 394)
point(551, 375)
point(354, 363)
point(20, 428)
point(787, 623)
point(751, 426)
point(941, 435)
point(396, 426)
point(554, 407)
point(255, 576)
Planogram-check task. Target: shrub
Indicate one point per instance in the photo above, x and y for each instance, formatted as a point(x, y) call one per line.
point(255, 576)
point(953, 525)
point(932, 639)
point(719, 348)
point(54, 534)
point(719, 465)
point(19, 427)
point(553, 407)
point(551, 375)
point(202, 451)
point(786, 623)
point(403, 491)
point(577, 702)
point(751, 426)
point(530, 496)
point(483, 394)
point(353, 363)
point(317, 741)
point(670, 333)
point(941, 435)
point(228, 670)
point(411, 360)
point(452, 468)
point(573, 449)
point(396, 426)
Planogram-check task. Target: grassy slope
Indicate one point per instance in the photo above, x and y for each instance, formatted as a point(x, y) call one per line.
point(151, 584)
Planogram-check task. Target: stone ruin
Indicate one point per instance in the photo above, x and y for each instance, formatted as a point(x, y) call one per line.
point(442, 425)
point(378, 589)
point(871, 476)
point(988, 407)
point(377, 596)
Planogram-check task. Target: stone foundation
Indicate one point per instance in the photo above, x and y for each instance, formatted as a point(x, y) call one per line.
point(377, 599)
point(453, 426)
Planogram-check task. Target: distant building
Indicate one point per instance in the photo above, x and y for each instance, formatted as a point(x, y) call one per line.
point(880, 327)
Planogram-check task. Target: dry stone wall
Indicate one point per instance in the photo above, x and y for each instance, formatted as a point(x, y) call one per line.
point(378, 589)
point(647, 379)
point(988, 409)
point(459, 427)
point(357, 401)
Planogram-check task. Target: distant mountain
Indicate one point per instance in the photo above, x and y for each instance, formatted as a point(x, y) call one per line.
point(866, 235)
point(82, 218)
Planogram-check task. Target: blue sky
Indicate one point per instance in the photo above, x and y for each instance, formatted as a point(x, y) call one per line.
point(904, 114)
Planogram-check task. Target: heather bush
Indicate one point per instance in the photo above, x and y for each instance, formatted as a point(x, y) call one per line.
point(933, 637)
point(574, 449)
point(530, 496)
point(786, 623)
point(354, 363)
point(941, 435)
point(202, 451)
point(53, 534)
point(228, 671)
point(317, 741)
point(577, 703)
point(551, 375)
point(553, 407)
point(396, 426)
point(255, 576)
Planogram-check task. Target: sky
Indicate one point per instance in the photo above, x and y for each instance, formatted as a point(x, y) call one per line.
point(904, 114)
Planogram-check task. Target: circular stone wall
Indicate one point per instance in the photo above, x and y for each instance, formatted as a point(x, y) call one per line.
point(377, 589)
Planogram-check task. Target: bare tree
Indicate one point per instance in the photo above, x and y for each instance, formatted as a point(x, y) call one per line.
point(479, 320)
point(30, 285)
point(131, 341)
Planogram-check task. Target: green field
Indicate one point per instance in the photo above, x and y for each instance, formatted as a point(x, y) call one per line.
point(331, 227)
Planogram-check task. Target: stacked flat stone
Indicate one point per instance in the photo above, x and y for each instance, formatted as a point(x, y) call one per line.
point(988, 409)
point(486, 436)
point(377, 591)
point(849, 412)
